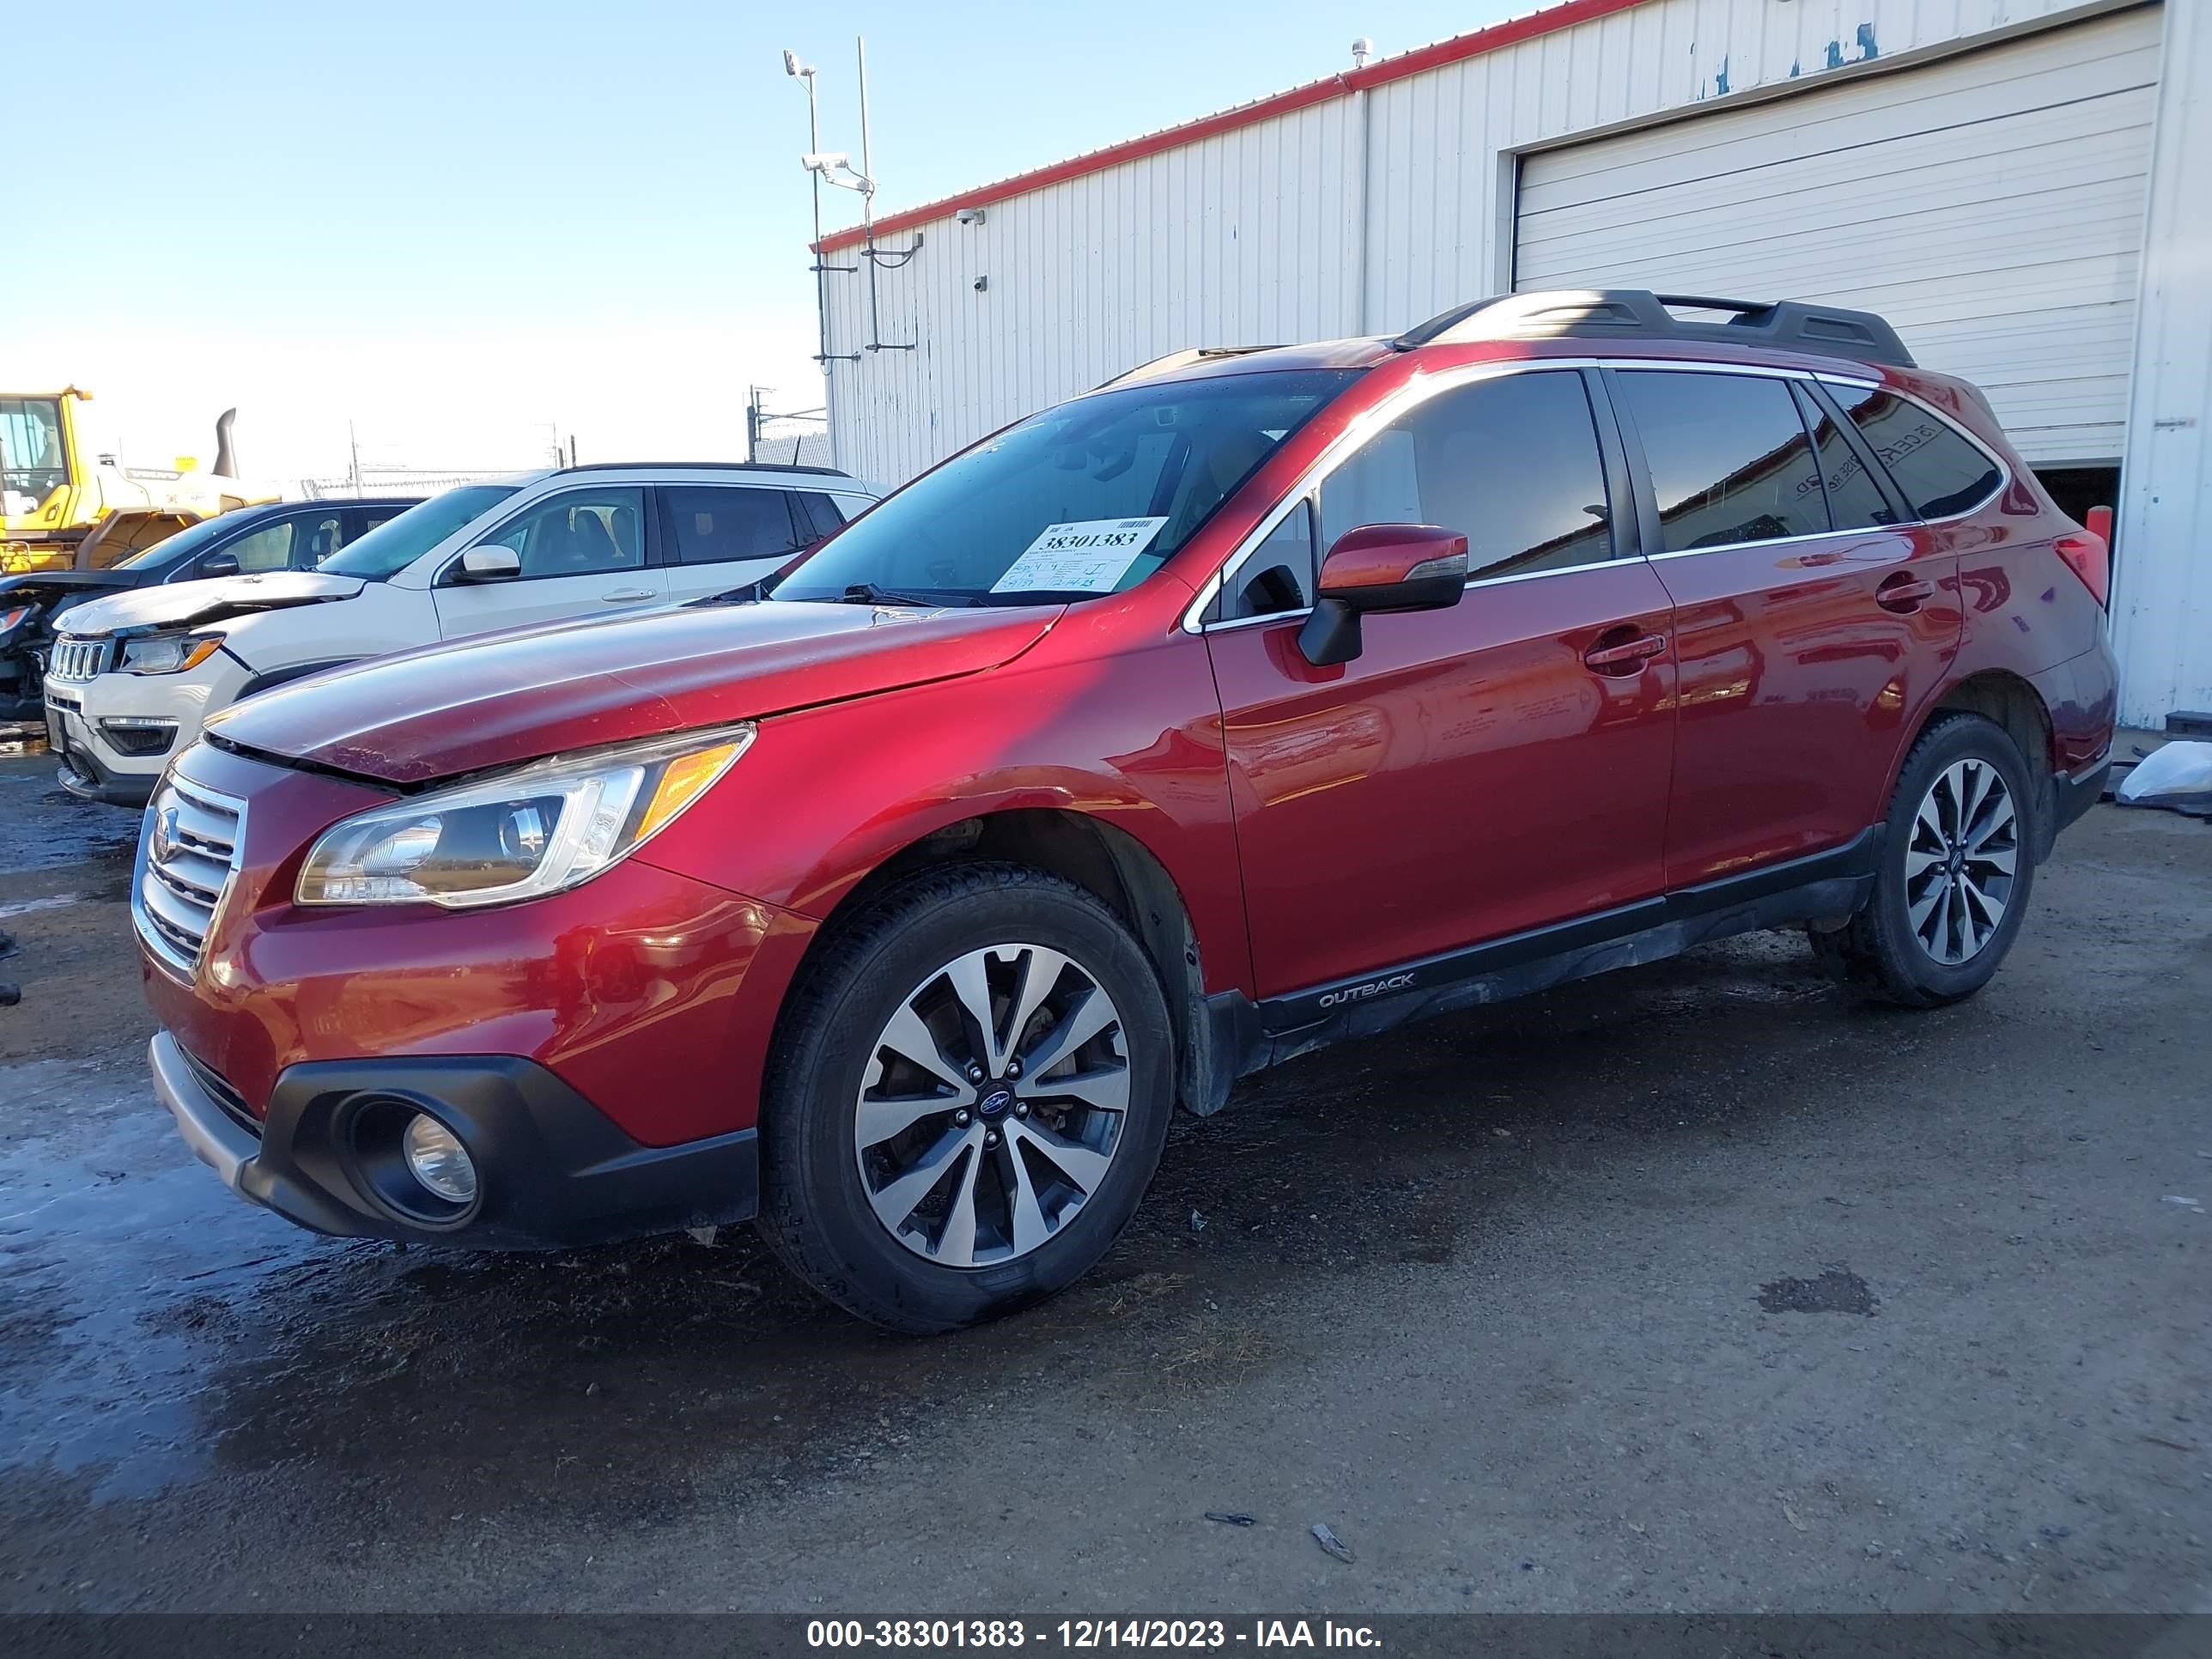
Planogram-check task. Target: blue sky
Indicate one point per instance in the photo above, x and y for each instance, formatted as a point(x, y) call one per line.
point(466, 225)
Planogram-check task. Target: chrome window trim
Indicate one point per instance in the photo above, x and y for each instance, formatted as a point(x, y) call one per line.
point(1778, 541)
point(1416, 392)
point(1757, 371)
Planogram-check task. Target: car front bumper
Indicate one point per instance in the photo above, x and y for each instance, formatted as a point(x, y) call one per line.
point(553, 1171)
point(89, 721)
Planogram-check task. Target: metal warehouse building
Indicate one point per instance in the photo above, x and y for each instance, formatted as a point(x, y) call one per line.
point(2024, 187)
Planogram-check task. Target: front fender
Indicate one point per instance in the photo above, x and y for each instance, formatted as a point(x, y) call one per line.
point(826, 795)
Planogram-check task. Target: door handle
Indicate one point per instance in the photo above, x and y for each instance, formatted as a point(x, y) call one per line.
point(1624, 657)
point(627, 596)
point(1904, 592)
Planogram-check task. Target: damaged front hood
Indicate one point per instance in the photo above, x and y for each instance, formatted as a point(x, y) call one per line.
point(500, 699)
point(45, 587)
point(190, 604)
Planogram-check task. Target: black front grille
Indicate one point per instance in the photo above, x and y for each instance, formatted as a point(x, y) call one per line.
point(219, 1090)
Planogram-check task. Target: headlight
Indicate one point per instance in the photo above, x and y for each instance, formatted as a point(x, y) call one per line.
point(168, 653)
point(534, 830)
point(10, 618)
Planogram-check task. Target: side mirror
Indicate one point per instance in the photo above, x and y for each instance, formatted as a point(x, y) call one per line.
point(1381, 567)
point(219, 564)
point(489, 564)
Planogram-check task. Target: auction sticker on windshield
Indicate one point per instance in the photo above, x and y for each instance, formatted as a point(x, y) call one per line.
point(1087, 557)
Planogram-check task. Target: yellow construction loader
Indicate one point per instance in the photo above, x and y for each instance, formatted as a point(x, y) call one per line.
point(63, 504)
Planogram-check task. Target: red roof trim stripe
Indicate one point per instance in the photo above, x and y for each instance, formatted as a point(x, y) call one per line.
point(1457, 49)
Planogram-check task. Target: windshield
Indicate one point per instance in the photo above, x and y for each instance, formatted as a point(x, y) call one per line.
point(32, 464)
point(1087, 498)
point(191, 540)
point(398, 542)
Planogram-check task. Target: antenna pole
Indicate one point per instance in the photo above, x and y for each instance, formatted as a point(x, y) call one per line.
point(868, 197)
point(821, 272)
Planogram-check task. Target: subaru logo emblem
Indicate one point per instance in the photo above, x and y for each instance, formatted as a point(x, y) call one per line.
point(996, 1101)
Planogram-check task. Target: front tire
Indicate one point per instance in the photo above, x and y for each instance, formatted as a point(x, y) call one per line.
point(1957, 865)
point(969, 1096)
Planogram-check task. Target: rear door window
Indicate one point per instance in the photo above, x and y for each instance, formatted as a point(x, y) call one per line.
point(1939, 473)
point(315, 537)
point(723, 524)
point(1729, 459)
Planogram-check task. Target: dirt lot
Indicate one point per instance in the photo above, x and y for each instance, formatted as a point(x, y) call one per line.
point(1692, 1288)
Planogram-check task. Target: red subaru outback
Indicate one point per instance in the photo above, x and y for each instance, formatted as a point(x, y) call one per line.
point(1252, 701)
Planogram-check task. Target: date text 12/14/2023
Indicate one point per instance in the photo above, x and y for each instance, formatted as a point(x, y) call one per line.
point(1072, 1635)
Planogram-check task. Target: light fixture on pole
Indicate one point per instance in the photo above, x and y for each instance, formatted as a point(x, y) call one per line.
point(805, 72)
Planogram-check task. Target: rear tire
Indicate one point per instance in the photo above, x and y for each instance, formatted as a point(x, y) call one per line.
point(1957, 867)
point(991, 1142)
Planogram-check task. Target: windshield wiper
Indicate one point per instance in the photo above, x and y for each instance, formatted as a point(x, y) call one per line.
point(870, 594)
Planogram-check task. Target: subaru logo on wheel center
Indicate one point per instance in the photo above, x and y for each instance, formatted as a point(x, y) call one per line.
point(996, 1102)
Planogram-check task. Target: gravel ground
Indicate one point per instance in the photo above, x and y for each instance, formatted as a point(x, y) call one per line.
point(1693, 1288)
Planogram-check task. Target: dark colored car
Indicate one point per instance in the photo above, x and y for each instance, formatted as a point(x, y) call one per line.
point(283, 536)
point(1241, 705)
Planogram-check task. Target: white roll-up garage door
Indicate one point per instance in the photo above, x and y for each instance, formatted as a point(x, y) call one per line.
point(1989, 204)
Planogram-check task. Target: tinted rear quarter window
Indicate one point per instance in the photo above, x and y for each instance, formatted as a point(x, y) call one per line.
point(1940, 471)
point(1729, 459)
point(817, 511)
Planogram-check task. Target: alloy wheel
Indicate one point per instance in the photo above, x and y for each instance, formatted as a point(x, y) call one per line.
point(1960, 860)
point(992, 1105)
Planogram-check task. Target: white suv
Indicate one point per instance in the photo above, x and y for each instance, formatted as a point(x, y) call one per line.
point(133, 678)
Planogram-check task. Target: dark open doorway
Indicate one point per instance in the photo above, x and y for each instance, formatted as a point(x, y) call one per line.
point(2078, 489)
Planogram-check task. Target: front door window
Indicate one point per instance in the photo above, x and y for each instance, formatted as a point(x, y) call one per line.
point(579, 533)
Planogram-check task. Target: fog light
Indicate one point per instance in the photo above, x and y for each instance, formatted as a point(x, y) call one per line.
point(137, 737)
point(436, 1157)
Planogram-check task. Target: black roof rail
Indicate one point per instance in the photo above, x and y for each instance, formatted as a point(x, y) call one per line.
point(709, 467)
point(1176, 360)
point(1638, 314)
point(380, 499)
